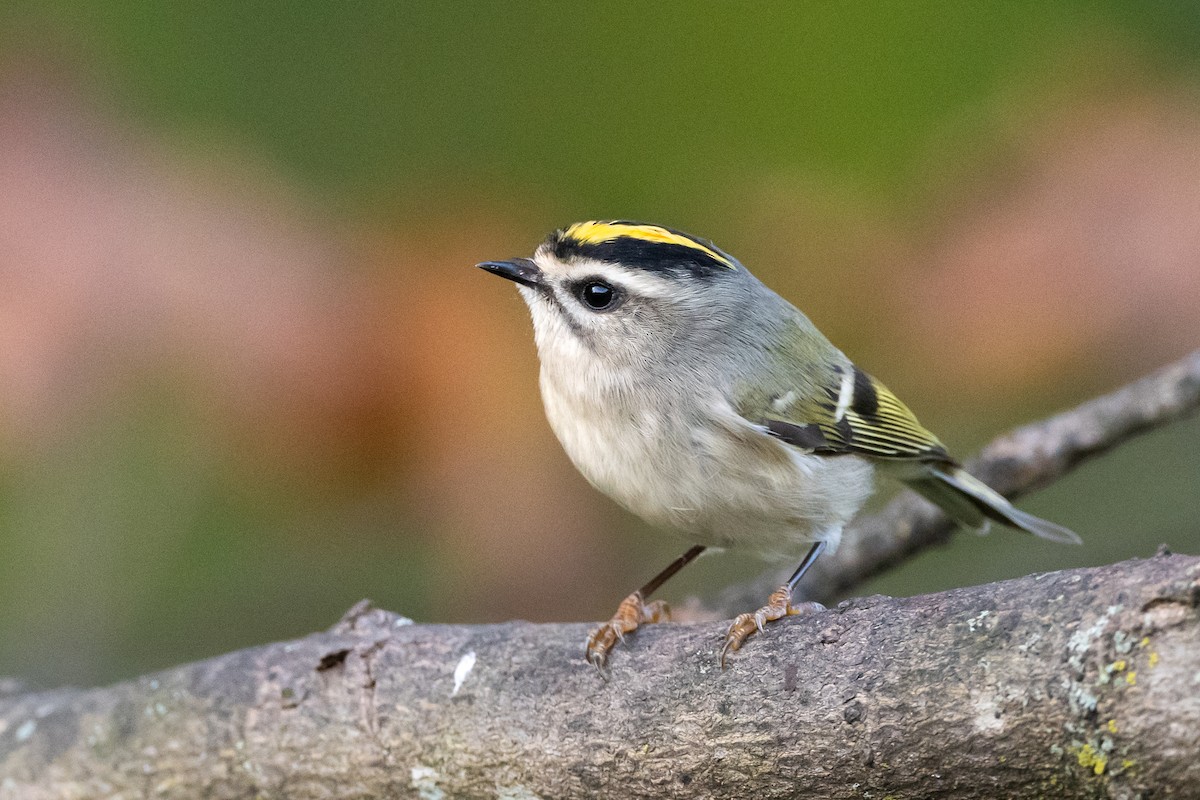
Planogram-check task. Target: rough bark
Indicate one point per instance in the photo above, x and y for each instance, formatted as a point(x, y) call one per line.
point(1082, 683)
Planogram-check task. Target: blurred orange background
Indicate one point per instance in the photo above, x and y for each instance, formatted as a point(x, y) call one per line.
point(250, 374)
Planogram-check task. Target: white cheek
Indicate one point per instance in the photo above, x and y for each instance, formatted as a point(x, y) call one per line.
point(559, 349)
point(554, 338)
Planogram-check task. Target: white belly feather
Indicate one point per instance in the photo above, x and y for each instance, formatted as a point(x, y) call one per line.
point(719, 481)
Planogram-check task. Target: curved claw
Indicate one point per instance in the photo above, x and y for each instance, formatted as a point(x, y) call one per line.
point(779, 605)
point(743, 626)
point(632, 612)
point(601, 642)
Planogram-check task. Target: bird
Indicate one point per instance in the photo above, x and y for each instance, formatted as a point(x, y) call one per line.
point(702, 401)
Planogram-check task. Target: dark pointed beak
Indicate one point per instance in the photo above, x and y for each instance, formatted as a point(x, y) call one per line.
point(521, 270)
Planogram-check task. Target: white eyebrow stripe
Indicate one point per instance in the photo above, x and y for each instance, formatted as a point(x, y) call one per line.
point(636, 282)
point(846, 395)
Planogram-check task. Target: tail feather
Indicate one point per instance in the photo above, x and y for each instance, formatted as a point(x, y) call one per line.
point(971, 502)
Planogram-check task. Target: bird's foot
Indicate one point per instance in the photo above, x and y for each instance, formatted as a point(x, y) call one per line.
point(632, 612)
point(779, 605)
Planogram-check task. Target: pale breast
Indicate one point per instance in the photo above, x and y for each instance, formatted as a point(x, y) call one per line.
point(708, 474)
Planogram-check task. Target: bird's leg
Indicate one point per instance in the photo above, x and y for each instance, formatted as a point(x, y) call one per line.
point(779, 605)
point(635, 611)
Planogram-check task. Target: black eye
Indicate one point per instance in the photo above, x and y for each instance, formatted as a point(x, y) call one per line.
point(597, 296)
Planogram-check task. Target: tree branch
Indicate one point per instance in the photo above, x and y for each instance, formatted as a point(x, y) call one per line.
point(1073, 684)
point(1079, 683)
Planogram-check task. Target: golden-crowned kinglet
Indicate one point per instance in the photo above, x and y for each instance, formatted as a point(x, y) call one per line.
point(702, 401)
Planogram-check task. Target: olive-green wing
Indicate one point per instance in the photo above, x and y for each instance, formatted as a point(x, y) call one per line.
point(854, 413)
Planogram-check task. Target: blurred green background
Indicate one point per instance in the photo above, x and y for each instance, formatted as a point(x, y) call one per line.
point(250, 376)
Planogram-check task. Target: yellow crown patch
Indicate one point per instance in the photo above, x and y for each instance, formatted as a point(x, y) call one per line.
point(596, 232)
